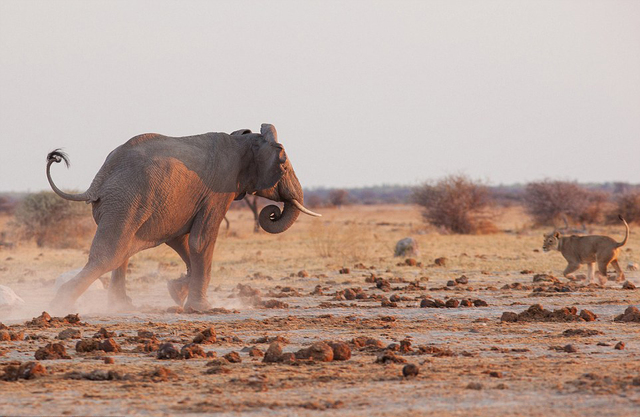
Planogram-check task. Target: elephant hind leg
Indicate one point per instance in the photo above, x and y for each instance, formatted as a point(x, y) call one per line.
point(179, 288)
point(118, 298)
point(110, 249)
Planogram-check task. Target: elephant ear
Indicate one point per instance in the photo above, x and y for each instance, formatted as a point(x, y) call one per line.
point(241, 132)
point(270, 158)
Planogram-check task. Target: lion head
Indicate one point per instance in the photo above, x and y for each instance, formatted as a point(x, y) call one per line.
point(551, 241)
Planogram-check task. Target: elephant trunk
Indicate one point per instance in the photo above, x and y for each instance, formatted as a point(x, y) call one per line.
point(272, 220)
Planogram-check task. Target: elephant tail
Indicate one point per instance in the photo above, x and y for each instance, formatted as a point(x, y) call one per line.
point(58, 156)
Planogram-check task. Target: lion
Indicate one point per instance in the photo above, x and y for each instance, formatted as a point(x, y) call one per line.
point(578, 250)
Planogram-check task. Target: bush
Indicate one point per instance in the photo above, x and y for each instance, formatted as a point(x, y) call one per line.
point(457, 204)
point(546, 201)
point(52, 221)
point(339, 197)
point(628, 206)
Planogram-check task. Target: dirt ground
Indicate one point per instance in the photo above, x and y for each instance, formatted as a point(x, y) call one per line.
point(333, 279)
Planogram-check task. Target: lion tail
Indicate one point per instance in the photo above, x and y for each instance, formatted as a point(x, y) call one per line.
point(626, 235)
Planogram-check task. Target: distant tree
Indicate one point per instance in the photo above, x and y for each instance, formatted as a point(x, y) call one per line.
point(252, 202)
point(628, 206)
point(52, 221)
point(456, 203)
point(339, 197)
point(313, 201)
point(546, 201)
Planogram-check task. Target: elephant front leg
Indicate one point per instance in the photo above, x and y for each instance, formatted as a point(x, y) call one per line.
point(202, 240)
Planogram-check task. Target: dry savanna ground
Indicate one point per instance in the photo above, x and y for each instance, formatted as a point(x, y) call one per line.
point(333, 279)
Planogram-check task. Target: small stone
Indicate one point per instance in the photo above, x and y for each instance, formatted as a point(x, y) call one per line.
point(274, 304)
point(442, 261)
point(587, 315)
point(288, 357)
point(410, 371)
point(451, 303)
point(87, 345)
point(207, 336)
point(628, 285)
point(344, 270)
point(451, 283)
point(349, 294)
point(341, 351)
point(367, 342)
point(405, 346)
point(474, 385)
point(480, 303)
point(619, 346)
point(255, 352)
point(233, 357)
point(109, 345)
point(383, 284)
point(428, 303)
point(52, 351)
point(167, 351)
point(406, 247)
point(462, 280)
point(389, 304)
point(319, 351)
point(509, 317)
point(389, 356)
point(495, 374)
point(190, 350)
point(395, 298)
point(411, 262)
point(466, 303)
point(274, 353)
point(570, 349)
point(146, 334)
point(108, 360)
point(303, 274)
point(70, 334)
point(104, 334)
point(27, 370)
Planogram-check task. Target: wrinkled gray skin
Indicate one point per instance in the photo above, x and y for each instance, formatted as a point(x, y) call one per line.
point(156, 189)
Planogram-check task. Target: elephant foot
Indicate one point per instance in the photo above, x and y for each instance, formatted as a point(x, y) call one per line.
point(121, 304)
point(61, 305)
point(197, 306)
point(178, 289)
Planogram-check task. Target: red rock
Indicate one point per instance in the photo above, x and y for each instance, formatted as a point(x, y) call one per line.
point(341, 351)
point(52, 351)
point(410, 371)
point(207, 336)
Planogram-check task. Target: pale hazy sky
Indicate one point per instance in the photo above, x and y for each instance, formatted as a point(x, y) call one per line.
point(361, 92)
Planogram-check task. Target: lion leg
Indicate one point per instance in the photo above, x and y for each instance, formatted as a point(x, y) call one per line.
point(590, 272)
point(616, 266)
point(602, 270)
point(572, 267)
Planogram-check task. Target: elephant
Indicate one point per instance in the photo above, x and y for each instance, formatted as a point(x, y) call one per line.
point(157, 189)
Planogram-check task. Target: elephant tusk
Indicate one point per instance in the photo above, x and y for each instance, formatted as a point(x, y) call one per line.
point(304, 209)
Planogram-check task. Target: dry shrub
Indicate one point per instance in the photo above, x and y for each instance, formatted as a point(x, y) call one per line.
point(546, 202)
point(339, 197)
point(53, 221)
point(457, 204)
point(628, 206)
point(346, 242)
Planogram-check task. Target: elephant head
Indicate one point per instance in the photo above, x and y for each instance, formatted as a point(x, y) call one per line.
point(277, 181)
